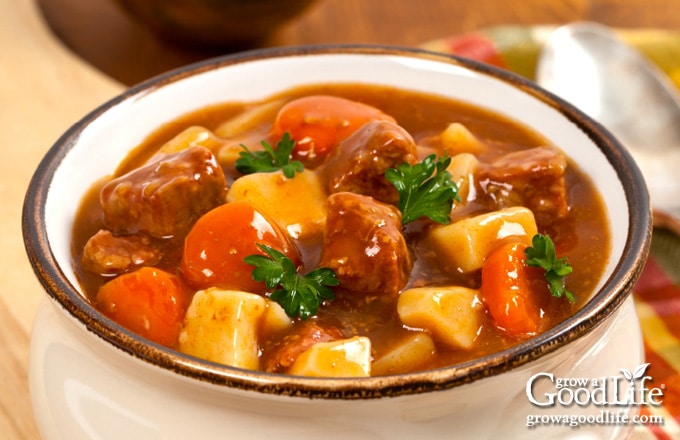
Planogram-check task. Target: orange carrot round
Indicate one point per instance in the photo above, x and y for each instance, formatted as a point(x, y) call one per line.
point(319, 122)
point(512, 291)
point(148, 301)
point(218, 243)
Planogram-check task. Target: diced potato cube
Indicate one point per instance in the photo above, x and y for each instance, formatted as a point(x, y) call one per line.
point(190, 137)
point(456, 139)
point(230, 153)
point(249, 129)
point(222, 326)
point(249, 120)
point(465, 244)
point(462, 169)
point(297, 204)
point(343, 358)
point(452, 314)
point(407, 355)
point(275, 319)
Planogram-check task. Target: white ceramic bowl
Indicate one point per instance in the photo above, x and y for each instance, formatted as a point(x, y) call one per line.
point(90, 378)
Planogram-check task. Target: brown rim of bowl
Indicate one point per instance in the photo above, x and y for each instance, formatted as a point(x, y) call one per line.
point(610, 297)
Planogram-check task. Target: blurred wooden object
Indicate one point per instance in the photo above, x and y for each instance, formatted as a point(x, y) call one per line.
point(110, 40)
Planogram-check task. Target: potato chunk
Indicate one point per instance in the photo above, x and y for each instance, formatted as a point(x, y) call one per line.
point(464, 245)
point(248, 128)
point(222, 326)
point(408, 354)
point(451, 314)
point(282, 198)
point(275, 320)
point(343, 358)
point(456, 139)
point(250, 119)
point(194, 135)
point(462, 169)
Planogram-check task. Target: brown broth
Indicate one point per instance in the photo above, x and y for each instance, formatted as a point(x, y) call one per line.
point(581, 237)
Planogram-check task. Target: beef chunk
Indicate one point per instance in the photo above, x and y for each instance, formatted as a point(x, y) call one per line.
point(364, 246)
point(165, 197)
point(533, 178)
point(107, 254)
point(282, 353)
point(359, 163)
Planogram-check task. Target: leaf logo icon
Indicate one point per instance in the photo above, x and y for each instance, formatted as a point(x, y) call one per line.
point(637, 374)
point(627, 374)
point(640, 371)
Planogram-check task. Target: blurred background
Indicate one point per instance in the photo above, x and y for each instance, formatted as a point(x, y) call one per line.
point(134, 39)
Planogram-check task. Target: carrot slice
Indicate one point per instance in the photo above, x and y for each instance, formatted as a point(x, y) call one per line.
point(148, 301)
point(512, 291)
point(218, 243)
point(318, 123)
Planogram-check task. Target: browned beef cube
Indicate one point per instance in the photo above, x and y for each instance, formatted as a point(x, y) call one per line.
point(107, 254)
point(364, 245)
point(533, 178)
point(359, 163)
point(165, 197)
point(281, 354)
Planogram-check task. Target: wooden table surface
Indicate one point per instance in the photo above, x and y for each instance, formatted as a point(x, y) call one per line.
point(61, 58)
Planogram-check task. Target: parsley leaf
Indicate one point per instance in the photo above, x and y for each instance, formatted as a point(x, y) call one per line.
point(299, 295)
point(543, 255)
point(270, 160)
point(421, 193)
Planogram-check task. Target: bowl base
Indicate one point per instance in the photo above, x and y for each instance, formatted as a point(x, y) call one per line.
point(77, 393)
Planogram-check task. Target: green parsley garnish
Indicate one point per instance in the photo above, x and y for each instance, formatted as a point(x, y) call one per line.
point(420, 193)
point(270, 159)
point(299, 295)
point(543, 255)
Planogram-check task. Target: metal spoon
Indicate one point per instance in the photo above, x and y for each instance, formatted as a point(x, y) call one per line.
point(589, 66)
